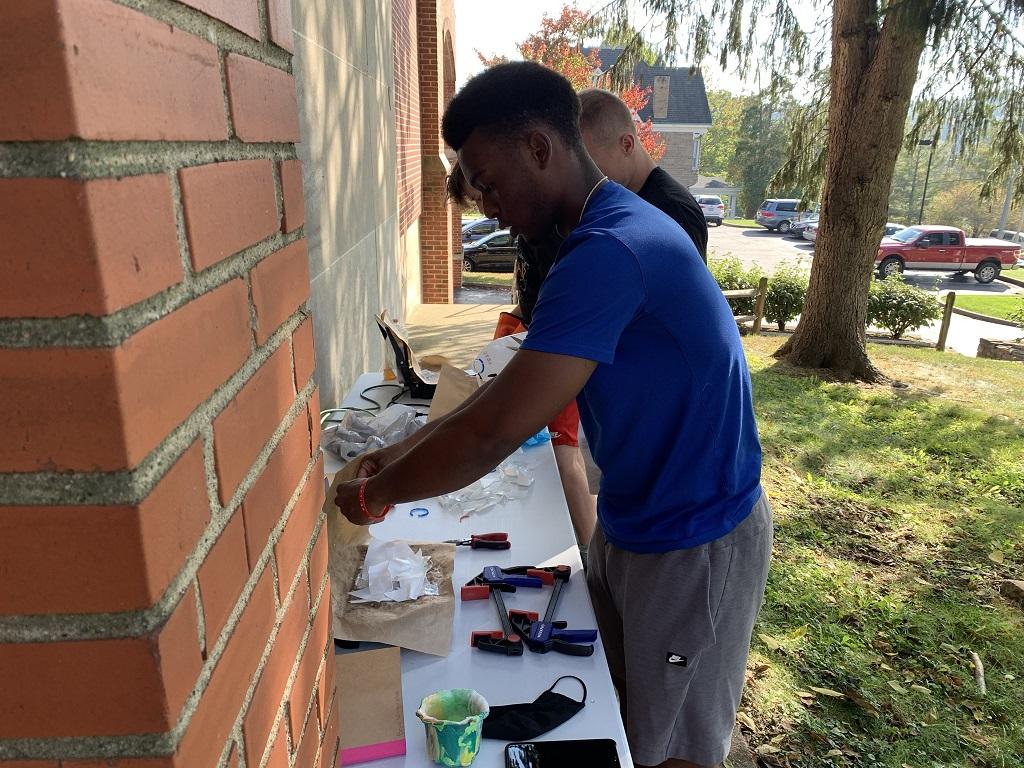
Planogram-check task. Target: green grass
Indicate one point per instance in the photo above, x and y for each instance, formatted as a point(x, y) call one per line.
point(897, 512)
point(994, 306)
point(750, 223)
point(499, 279)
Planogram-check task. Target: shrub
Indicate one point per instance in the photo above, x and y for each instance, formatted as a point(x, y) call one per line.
point(899, 307)
point(787, 288)
point(731, 275)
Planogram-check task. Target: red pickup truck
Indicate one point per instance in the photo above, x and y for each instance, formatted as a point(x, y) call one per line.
point(945, 249)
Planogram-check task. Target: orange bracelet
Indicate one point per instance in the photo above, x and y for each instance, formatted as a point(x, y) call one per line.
point(366, 510)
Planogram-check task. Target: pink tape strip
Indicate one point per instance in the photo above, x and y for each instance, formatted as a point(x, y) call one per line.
point(354, 755)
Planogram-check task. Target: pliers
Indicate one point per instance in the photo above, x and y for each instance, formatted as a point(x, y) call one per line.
point(483, 541)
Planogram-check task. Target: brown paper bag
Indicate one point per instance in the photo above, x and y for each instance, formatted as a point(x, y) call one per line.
point(372, 722)
point(453, 387)
point(424, 624)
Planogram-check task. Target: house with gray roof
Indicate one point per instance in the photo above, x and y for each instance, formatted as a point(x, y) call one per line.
point(678, 109)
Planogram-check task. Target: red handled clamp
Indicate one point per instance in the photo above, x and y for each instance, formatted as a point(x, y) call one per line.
point(543, 635)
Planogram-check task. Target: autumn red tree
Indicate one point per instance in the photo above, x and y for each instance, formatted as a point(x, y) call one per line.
point(559, 45)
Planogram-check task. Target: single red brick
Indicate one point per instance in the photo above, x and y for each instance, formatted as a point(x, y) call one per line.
point(208, 730)
point(103, 559)
point(313, 415)
point(242, 429)
point(279, 18)
point(228, 207)
point(177, 648)
point(266, 500)
point(93, 69)
point(280, 284)
point(329, 753)
point(116, 244)
point(291, 192)
point(291, 546)
point(262, 101)
point(240, 14)
point(304, 359)
point(305, 754)
point(126, 399)
point(82, 688)
point(222, 576)
point(269, 693)
point(318, 565)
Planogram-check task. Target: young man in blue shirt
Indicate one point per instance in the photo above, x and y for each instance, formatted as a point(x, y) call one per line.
point(629, 322)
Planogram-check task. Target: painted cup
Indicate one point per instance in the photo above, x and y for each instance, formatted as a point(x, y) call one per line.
point(453, 720)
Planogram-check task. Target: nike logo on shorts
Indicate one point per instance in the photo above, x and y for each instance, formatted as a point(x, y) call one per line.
point(675, 659)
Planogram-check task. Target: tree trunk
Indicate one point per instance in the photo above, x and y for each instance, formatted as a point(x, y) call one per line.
point(873, 76)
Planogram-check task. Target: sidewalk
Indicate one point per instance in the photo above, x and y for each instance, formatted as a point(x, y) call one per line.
point(457, 331)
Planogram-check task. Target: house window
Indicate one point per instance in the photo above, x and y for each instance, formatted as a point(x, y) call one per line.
point(696, 151)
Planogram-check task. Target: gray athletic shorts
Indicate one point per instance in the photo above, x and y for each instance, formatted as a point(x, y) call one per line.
point(676, 629)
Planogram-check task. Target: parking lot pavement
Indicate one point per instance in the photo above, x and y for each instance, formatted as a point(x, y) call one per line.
point(757, 247)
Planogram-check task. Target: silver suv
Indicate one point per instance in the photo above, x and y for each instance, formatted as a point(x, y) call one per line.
point(713, 208)
point(778, 214)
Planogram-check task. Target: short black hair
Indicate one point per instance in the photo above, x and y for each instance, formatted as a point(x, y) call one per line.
point(455, 186)
point(510, 99)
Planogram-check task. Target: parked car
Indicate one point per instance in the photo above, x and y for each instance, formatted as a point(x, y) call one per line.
point(811, 232)
point(496, 252)
point(946, 249)
point(796, 228)
point(713, 207)
point(474, 230)
point(891, 228)
point(778, 214)
point(1007, 234)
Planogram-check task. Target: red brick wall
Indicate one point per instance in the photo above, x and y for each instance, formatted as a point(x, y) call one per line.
point(407, 110)
point(165, 599)
point(436, 218)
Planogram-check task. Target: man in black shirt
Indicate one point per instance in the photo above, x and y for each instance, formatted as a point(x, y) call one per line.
point(610, 137)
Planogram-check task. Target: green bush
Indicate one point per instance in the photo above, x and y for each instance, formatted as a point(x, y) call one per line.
point(1018, 314)
point(787, 288)
point(731, 275)
point(899, 307)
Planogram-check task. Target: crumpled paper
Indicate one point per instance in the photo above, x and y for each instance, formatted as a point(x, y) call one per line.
point(424, 624)
point(358, 433)
point(392, 571)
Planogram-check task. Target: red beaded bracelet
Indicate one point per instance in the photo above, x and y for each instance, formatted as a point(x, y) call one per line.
point(366, 510)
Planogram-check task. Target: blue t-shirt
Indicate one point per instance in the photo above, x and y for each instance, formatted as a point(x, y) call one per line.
point(668, 411)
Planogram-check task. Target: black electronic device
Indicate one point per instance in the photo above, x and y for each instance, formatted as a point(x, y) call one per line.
point(421, 383)
point(593, 753)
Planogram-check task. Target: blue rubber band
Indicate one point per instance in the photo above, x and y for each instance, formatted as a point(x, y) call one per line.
point(419, 512)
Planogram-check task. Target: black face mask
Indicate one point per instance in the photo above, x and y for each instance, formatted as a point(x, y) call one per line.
point(523, 722)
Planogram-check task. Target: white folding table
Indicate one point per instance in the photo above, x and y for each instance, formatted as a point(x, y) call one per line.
point(541, 533)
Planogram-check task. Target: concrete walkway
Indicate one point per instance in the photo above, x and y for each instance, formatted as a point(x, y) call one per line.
point(457, 331)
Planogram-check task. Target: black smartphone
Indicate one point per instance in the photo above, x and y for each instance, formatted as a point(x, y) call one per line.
point(593, 753)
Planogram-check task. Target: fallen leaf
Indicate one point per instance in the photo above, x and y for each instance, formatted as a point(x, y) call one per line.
point(805, 694)
point(922, 689)
point(996, 557)
point(863, 703)
point(771, 642)
point(767, 749)
point(827, 692)
point(760, 670)
point(897, 687)
point(797, 633)
point(923, 582)
point(834, 753)
point(746, 721)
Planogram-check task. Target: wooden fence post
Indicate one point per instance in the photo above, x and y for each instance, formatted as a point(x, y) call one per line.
point(947, 315)
point(762, 294)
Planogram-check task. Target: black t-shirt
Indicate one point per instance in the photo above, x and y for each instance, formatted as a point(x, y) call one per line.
point(668, 195)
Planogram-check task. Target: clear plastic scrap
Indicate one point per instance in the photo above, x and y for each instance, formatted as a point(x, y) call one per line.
point(358, 433)
point(393, 572)
point(509, 481)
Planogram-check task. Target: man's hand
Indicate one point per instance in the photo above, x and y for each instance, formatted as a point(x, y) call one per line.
point(347, 499)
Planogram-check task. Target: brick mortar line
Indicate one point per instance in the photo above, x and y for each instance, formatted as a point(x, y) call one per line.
point(166, 744)
point(77, 159)
point(95, 626)
point(132, 486)
point(219, 33)
point(112, 330)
